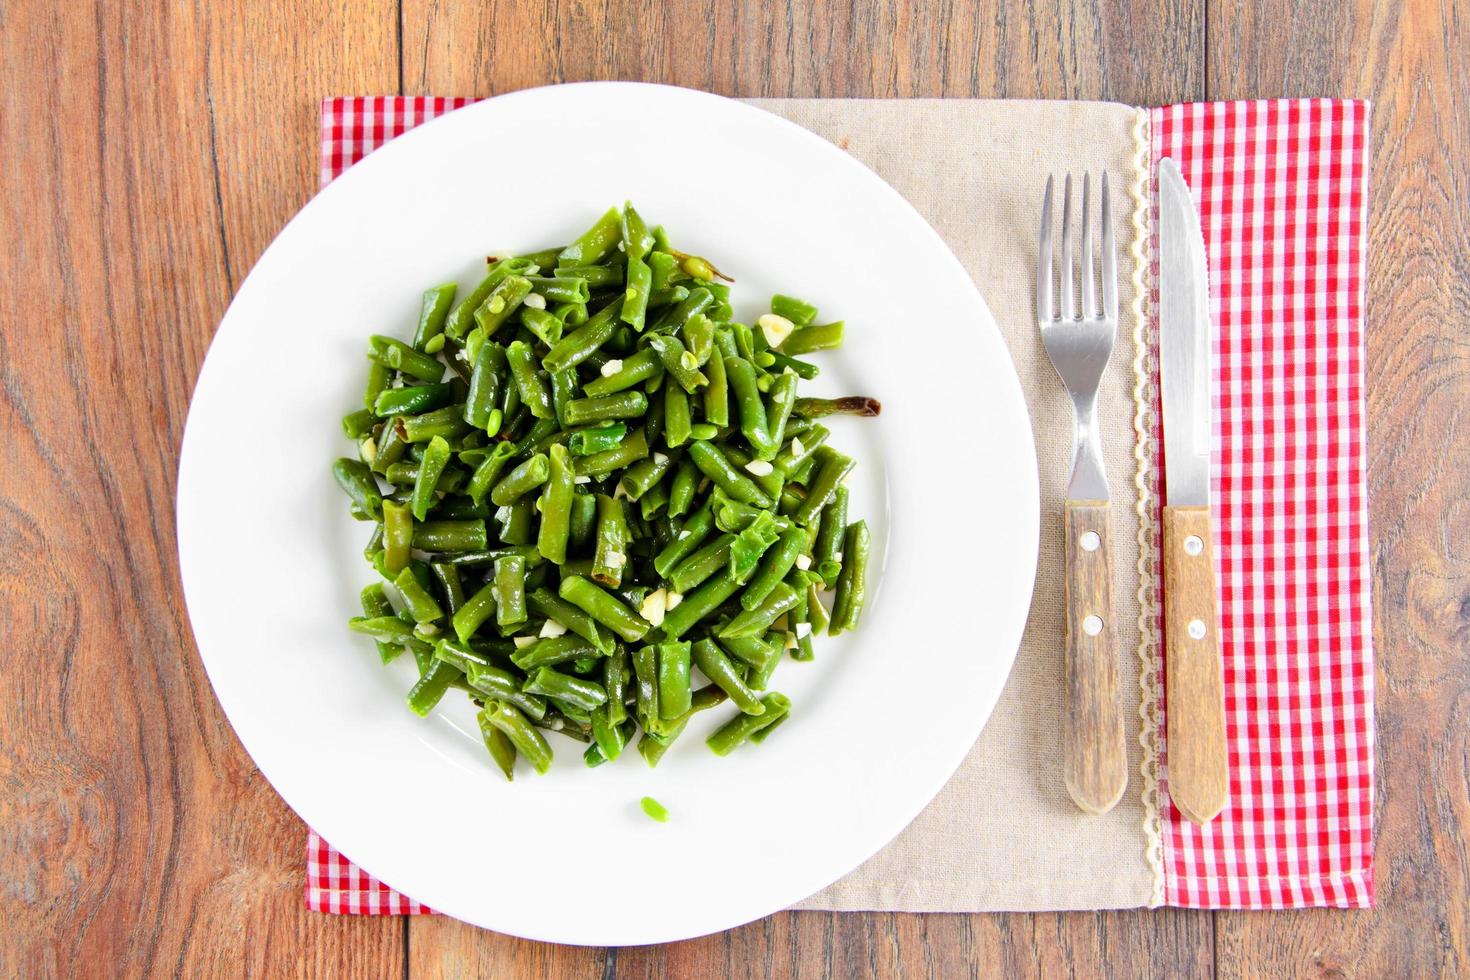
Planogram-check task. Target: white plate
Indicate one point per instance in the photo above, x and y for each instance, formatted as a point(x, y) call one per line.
point(947, 481)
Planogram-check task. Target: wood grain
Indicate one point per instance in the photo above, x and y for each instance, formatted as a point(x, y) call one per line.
point(1413, 60)
point(1095, 755)
point(1194, 684)
point(138, 838)
point(148, 152)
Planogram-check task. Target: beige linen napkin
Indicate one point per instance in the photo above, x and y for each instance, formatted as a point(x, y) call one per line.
point(1004, 834)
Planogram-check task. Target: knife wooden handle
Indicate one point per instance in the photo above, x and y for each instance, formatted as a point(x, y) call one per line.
point(1194, 705)
point(1096, 756)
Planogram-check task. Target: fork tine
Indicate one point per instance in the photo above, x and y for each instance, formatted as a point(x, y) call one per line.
point(1069, 305)
point(1089, 296)
point(1109, 257)
point(1043, 260)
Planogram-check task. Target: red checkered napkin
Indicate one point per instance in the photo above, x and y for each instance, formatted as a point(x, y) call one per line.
point(1282, 191)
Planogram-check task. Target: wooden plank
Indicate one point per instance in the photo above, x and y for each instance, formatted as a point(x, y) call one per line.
point(1144, 53)
point(1409, 57)
point(139, 838)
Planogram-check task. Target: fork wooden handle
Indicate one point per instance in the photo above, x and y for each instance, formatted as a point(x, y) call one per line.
point(1194, 702)
point(1096, 757)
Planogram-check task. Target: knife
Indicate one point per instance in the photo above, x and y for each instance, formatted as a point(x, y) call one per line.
point(1194, 689)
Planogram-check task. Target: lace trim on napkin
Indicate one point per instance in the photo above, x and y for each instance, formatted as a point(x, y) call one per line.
point(1143, 400)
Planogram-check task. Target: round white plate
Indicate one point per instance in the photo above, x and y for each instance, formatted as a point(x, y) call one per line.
point(272, 564)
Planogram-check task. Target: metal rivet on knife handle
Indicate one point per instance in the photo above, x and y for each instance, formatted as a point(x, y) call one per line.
point(1194, 704)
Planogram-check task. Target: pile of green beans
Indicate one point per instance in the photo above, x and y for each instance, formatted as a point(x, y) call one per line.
point(592, 491)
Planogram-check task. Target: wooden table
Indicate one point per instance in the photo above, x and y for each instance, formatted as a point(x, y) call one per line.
point(150, 152)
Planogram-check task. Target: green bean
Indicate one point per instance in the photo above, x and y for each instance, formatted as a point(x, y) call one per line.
point(832, 469)
point(598, 439)
point(637, 239)
point(488, 471)
point(607, 736)
point(594, 243)
point(413, 399)
point(827, 550)
point(645, 671)
point(498, 744)
point(673, 679)
point(677, 420)
point(397, 536)
point(641, 477)
point(583, 342)
point(549, 604)
point(559, 289)
point(456, 535)
point(816, 408)
point(357, 481)
point(713, 464)
point(615, 674)
point(523, 735)
point(717, 392)
point(564, 387)
point(379, 377)
point(678, 362)
point(533, 389)
point(388, 628)
point(430, 688)
point(547, 327)
point(449, 584)
point(447, 422)
point(556, 507)
point(461, 318)
point(698, 300)
point(798, 311)
point(399, 356)
point(596, 276)
point(622, 405)
point(699, 338)
point(510, 590)
point(629, 451)
point(761, 735)
point(753, 424)
point(682, 487)
point(686, 542)
point(814, 338)
point(653, 422)
point(604, 608)
point(635, 369)
point(711, 660)
point(549, 651)
point(798, 450)
point(501, 685)
point(431, 468)
point(778, 408)
point(805, 370)
point(432, 313)
point(729, 736)
point(663, 266)
point(583, 520)
point(636, 294)
point(570, 314)
point(612, 542)
point(781, 600)
point(669, 296)
point(754, 651)
point(375, 605)
point(421, 605)
point(851, 585)
point(541, 434)
point(504, 299)
point(697, 605)
point(700, 565)
point(565, 689)
point(750, 544)
point(522, 480)
point(777, 562)
point(473, 614)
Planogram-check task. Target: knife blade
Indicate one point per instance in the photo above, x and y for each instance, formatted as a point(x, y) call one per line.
point(1198, 772)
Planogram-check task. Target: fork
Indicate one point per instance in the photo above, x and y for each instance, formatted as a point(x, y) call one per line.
point(1095, 757)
